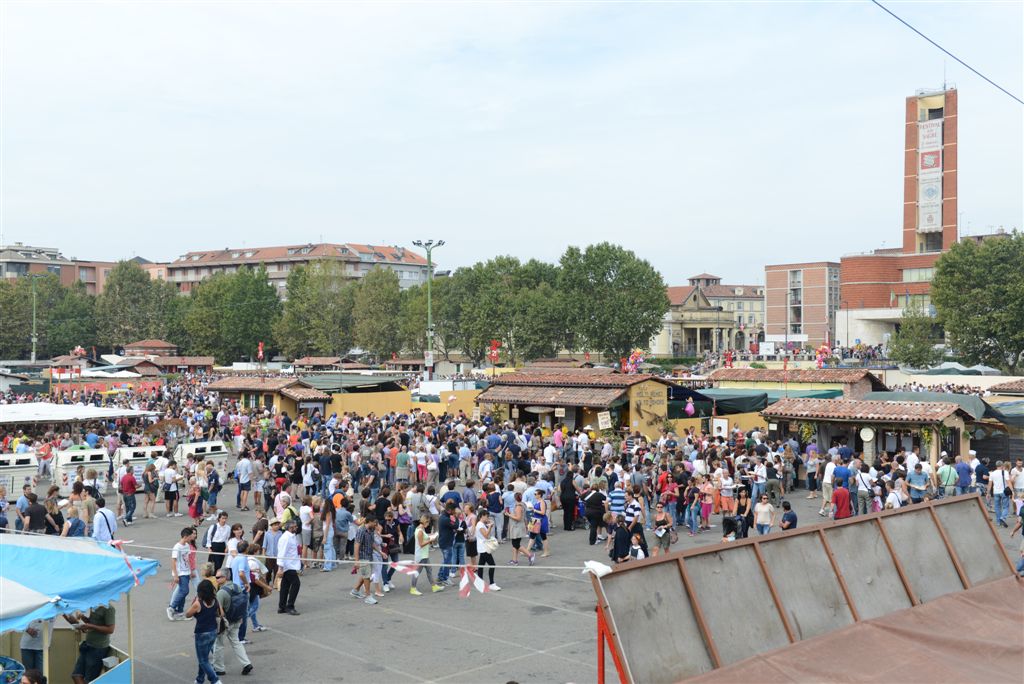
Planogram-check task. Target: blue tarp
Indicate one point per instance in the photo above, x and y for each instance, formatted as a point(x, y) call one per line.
point(42, 577)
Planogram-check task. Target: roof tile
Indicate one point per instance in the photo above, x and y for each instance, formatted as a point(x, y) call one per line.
point(559, 377)
point(252, 384)
point(816, 375)
point(856, 410)
point(1011, 387)
point(550, 396)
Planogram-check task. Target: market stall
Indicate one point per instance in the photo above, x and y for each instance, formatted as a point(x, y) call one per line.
point(43, 578)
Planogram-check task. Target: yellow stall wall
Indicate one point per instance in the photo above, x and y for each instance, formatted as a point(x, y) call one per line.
point(746, 421)
point(365, 403)
point(648, 408)
point(465, 400)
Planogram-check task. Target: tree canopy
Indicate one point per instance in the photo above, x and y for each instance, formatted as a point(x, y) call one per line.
point(978, 292)
point(317, 314)
point(914, 343)
point(375, 313)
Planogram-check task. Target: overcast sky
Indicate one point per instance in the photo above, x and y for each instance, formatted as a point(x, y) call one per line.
point(704, 136)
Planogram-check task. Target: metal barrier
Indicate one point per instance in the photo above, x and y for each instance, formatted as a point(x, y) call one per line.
point(686, 613)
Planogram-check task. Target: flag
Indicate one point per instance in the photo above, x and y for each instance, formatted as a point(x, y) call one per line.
point(470, 580)
point(406, 567)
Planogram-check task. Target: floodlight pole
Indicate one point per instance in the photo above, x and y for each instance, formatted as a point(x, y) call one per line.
point(429, 246)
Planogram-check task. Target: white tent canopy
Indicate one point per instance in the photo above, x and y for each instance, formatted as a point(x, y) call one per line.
point(42, 412)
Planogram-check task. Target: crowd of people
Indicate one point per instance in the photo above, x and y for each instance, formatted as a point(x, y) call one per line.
point(394, 497)
point(944, 388)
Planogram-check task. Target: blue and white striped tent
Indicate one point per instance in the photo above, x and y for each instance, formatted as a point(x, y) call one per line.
point(42, 577)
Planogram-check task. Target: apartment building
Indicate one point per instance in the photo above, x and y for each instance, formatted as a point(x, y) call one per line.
point(356, 259)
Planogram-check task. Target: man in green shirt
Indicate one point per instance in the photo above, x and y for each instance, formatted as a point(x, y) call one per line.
point(947, 477)
point(95, 646)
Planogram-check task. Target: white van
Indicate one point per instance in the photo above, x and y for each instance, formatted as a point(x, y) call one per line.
point(18, 470)
point(65, 463)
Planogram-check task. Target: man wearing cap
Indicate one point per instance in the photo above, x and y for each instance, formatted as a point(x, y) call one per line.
point(289, 562)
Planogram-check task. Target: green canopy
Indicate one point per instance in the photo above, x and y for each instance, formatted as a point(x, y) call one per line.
point(973, 405)
point(1009, 413)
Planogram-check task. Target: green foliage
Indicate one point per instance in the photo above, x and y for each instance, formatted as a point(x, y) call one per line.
point(978, 292)
point(670, 363)
point(413, 318)
point(229, 314)
point(375, 312)
point(914, 343)
point(132, 307)
point(614, 300)
point(758, 364)
point(64, 317)
point(317, 316)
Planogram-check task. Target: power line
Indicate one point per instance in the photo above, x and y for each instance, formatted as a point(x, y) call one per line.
point(905, 23)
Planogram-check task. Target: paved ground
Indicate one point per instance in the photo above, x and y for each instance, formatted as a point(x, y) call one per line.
point(539, 628)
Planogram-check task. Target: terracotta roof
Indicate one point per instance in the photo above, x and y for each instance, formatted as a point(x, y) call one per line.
point(549, 396)
point(152, 343)
point(253, 384)
point(572, 378)
point(1011, 387)
point(840, 376)
point(349, 251)
point(300, 393)
point(678, 294)
point(704, 276)
point(404, 362)
point(183, 360)
point(729, 291)
point(68, 358)
point(317, 361)
point(863, 411)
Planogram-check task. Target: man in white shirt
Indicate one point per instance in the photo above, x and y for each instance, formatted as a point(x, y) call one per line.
point(549, 454)
point(181, 574)
point(826, 487)
point(289, 563)
point(998, 482)
point(1017, 479)
point(170, 487)
point(486, 468)
point(104, 524)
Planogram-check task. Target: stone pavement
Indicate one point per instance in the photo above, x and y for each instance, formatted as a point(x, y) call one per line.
point(539, 628)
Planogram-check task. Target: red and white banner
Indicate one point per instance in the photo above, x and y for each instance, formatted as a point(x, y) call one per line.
point(470, 580)
point(406, 567)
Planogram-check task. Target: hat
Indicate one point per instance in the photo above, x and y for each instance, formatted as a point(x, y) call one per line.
point(972, 452)
point(274, 521)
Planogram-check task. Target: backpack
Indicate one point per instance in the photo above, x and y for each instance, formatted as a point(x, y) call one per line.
point(239, 603)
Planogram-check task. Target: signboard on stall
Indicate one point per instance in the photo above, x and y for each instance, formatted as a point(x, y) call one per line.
point(560, 412)
point(604, 420)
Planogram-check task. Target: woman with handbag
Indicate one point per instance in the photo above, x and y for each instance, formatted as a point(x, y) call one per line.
point(516, 527)
point(662, 530)
point(487, 543)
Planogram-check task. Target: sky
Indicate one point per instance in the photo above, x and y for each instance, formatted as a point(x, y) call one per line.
point(713, 137)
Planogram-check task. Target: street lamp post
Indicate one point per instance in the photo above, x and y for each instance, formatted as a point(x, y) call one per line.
point(429, 246)
point(35, 337)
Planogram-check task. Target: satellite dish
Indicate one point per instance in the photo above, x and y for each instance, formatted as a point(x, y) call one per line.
point(867, 434)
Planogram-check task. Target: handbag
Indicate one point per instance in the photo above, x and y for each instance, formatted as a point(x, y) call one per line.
point(535, 526)
point(490, 545)
point(673, 536)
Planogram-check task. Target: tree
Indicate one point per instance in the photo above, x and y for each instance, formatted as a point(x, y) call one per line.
point(317, 315)
point(124, 312)
point(614, 300)
point(914, 343)
point(375, 313)
point(413, 318)
point(978, 292)
point(64, 317)
point(230, 314)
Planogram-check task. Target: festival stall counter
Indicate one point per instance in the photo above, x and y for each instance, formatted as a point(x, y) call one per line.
point(43, 578)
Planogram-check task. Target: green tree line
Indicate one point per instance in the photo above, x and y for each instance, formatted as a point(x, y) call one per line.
point(603, 299)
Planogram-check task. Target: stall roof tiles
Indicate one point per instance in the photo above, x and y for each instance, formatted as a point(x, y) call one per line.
point(550, 396)
point(252, 384)
point(853, 410)
point(300, 393)
point(562, 378)
point(1011, 387)
point(842, 376)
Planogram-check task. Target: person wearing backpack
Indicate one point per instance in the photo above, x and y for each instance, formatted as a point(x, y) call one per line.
point(234, 602)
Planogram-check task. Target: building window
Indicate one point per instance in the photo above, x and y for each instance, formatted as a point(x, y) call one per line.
point(918, 275)
point(922, 301)
point(931, 242)
point(739, 306)
point(739, 319)
point(750, 319)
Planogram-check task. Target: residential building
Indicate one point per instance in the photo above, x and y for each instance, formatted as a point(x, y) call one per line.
point(19, 260)
point(801, 301)
point(357, 260)
point(877, 286)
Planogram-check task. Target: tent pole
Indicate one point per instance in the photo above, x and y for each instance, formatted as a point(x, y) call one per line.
point(46, 648)
point(131, 637)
